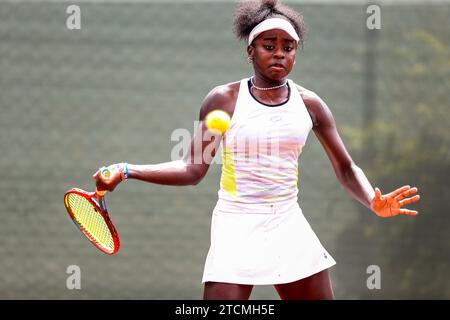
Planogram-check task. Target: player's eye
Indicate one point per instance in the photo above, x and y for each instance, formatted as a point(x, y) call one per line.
point(269, 47)
point(288, 49)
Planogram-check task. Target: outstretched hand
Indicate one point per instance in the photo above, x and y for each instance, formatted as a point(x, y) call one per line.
point(389, 205)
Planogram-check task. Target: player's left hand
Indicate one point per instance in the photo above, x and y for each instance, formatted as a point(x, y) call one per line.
point(389, 205)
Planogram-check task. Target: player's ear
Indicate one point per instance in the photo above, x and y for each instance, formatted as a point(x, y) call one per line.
point(250, 51)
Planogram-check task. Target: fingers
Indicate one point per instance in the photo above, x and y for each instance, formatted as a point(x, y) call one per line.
point(94, 176)
point(408, 212)
point(409, 200)
point(405, 194)
point(99, 179)
point(97, 175)
point(107, 181)
point(399, 191)
point(377, 193)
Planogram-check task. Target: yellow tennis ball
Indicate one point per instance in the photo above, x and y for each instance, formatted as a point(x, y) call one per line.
point(218, 121)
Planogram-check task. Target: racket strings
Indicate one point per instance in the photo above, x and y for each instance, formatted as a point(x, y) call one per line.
point(91, 221)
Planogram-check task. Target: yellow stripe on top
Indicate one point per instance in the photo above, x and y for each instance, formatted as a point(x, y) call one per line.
point(262, 147)
point(228, 178)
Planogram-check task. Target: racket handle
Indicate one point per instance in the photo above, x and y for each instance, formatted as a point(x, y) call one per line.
point(105, 174)
point(100, 193)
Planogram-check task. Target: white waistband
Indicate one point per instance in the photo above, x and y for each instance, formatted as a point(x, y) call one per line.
point(280, 207)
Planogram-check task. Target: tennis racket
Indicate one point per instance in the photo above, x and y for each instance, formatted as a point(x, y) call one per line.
point(89, 213)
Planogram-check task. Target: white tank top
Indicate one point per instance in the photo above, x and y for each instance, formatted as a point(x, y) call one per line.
point(260, 150)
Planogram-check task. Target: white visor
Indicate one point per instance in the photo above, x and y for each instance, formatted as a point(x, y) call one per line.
point(270, 24)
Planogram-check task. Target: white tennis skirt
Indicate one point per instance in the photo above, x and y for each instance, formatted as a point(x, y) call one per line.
point(262, 244)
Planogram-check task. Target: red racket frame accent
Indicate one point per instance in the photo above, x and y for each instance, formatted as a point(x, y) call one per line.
point(103, 212)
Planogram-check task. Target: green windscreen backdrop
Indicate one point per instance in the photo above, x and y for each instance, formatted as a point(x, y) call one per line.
point(124, 86)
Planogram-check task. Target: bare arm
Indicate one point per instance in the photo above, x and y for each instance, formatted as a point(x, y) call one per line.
point(188, 171)
point(193, 167)
point(347, 172)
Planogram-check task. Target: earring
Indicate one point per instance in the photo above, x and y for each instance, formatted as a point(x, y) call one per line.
point(249, 59)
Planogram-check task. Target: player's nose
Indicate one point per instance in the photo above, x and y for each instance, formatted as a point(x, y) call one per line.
point(279, 53)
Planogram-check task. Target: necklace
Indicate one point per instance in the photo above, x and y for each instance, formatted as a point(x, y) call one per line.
point(265, 89)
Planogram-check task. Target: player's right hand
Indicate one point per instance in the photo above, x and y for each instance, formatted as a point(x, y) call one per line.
point(108, 183)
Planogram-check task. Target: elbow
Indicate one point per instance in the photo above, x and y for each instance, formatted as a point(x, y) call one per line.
point(345, 171)
point(195, 181)
point(196, 176)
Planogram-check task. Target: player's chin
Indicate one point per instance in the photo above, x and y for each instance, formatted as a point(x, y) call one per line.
point(277, 74)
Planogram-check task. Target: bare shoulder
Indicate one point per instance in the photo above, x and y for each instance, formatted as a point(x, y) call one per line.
point(316, 107)
point(222, 97)
point(310, 98)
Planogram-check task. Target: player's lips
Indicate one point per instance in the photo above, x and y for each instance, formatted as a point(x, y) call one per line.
point(277, 66)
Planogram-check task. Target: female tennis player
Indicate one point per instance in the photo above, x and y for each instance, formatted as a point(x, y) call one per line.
point(259, 235)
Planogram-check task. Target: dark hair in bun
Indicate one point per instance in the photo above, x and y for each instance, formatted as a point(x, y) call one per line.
point(248, 14)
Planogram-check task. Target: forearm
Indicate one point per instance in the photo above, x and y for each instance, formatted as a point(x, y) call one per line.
point(174, 173)
point(356, 182)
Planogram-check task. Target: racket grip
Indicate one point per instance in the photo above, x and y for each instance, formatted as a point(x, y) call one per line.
point(100, 193)
point(105, 174)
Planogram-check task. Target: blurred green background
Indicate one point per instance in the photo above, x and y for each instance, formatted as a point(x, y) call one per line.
point(73, 100)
